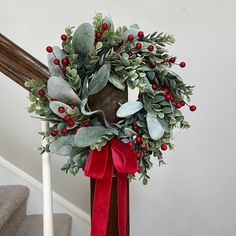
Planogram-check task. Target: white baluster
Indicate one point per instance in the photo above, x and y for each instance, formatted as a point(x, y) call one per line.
point(47, 188)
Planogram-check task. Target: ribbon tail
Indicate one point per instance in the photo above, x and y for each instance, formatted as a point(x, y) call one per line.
point(122, 203)
point(101, 202)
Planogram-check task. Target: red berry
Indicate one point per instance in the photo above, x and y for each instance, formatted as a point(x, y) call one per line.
point(193, 108)
point(172, 98)
point(164, 147)
point(65, 61)
point(145, 147)
point(130, 37)
point(163, 61)
point(49, 49)
point(72, 106)
point(178, 105)
point(138, 46)
point(168, 97)
point(172, 60)
point(63, 37)
point(116, 50)
point(150, 48)
point(182, 64)
point(67, 118)
point(182, 103)
point(130, 54)
point(138, 155)
point(61, 109)
point(56, 62)
point(105, 26)
point(139, 168)
point(64, 131)
point(138, 139)
point(86, 123)
point(135, 128)
point(98, 35)
point(54, 133)
point(166, 90)
point(71, 123)
point(152, 65)
point(41, 93)
point(131, 144)
point(154, 86)
point(140, 34)
point(76, 129)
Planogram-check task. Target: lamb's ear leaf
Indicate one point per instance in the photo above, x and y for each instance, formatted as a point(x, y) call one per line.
point(155, 129)
point(59, 54)
point(117, 82)
point(60, 90)
point(54, 105)
point(87, 136)
point(83, 39)
point(129, 108)
point(100, 113)
point(99, 81)
point(62, 146)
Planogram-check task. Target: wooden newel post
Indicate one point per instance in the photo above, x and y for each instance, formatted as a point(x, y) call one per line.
point(108, 100)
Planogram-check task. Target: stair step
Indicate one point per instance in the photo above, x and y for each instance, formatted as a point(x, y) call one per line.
point(12, 208)
point(33, 225)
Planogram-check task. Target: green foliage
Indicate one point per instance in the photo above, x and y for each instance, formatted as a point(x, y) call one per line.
point(93, 62)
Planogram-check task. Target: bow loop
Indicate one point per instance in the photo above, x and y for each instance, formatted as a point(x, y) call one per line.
point(97, 162)
point(123, 157)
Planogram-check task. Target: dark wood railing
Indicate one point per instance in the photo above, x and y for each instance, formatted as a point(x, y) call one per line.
point(20, 66)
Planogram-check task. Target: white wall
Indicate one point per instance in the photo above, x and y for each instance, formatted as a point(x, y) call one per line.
point(195, 193)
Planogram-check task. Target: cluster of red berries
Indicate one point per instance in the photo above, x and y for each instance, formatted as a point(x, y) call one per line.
point(64, 61)
point(170, 98)
point(139, 140)
point(104, 27)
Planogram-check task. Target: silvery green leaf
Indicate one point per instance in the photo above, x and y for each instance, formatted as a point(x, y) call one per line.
point(129, 108)
point(99, 81)
point(57, 54)
point(60, 90)
point(63, 145)
point(147, 68)
point(132, 31)
point(109, 21)
point(83, 39)
point(155, 129)
point(116, 81)
point(54, 105)
point(89, 113)
point(87, 136)
point(151, 75)
point(165, 125)
point(129, 132)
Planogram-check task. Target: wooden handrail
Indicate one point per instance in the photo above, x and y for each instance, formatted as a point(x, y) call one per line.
point(19, 65)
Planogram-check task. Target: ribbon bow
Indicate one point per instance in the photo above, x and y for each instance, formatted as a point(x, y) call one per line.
point(100, 166)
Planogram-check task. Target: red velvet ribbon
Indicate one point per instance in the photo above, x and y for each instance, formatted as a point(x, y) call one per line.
point(100, 166)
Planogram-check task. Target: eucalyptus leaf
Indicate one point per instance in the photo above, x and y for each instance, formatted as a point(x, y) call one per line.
point(129, 108)
point(99, 81)
point(60, 90)
point(87, 136)
point(129, 132)
point(155, 129)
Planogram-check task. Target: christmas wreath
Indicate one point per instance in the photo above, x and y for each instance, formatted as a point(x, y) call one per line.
point(90, 58)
